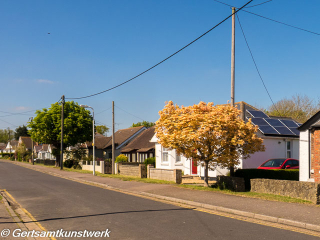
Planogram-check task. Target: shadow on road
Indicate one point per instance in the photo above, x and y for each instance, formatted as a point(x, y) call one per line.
point(105, 214)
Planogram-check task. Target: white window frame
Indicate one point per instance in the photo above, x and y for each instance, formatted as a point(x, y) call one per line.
point(165, 155)
point(288, 149)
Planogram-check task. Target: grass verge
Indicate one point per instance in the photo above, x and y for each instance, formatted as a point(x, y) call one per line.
point(264, 196)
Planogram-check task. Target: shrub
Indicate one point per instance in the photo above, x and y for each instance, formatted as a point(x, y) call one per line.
point(280, 174)
point(121, 158)
point(151, 160)
point(68, 163)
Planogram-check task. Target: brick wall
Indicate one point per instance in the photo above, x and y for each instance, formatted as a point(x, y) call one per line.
point(303, 190)
point(315, 154)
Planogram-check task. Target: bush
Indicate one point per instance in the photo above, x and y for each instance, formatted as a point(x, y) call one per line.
point(121, 158)
point(68, 163)
point(280, 174)
point(151, 160)
point(72, 164)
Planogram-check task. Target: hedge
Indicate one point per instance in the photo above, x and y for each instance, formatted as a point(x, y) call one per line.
point(279, 174)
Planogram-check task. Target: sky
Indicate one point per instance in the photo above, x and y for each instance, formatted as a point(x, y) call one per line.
point(78, 48)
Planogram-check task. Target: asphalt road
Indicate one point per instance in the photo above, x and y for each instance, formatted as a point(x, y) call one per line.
point(63, 204)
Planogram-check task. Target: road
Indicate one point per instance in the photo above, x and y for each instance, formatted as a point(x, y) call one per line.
point(59, 203)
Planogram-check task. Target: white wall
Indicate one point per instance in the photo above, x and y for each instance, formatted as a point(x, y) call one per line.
point(185, 165)
point(304, 156)
point(275, 148)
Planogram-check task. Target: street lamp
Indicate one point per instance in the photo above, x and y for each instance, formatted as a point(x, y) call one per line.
point(93, 146)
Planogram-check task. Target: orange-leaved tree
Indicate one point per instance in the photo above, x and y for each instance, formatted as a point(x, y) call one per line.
point(211, 135)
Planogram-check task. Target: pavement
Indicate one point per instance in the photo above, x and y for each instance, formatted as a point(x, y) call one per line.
point(9, 220)
point(304, 216)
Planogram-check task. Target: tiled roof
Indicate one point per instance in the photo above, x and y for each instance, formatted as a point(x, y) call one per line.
point(124, 134)
point(28, 142)
point(142, 142)
point(100, 141)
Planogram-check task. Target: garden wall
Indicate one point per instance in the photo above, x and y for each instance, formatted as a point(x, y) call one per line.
point(131, 169)
point(88, 165)
point(304, 190)
point(173, 175)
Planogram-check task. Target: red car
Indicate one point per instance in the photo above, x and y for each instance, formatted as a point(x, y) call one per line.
point(280, 163)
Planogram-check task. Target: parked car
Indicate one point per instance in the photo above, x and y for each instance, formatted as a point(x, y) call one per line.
point(280, 163)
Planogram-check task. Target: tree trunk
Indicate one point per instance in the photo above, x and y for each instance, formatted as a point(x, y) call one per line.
point(231, 171)
point(206, 177)
point(57, 161)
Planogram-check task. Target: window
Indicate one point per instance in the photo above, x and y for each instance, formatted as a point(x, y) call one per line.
point(178, 158)
point(165, 155)
point(288, 149)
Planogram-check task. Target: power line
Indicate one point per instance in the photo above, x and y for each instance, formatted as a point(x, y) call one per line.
point(258, 4)
point(9, 123)
point(286, 24)
point(103, 110)
point(140, 74)
point(265, 87)
point(129, 113)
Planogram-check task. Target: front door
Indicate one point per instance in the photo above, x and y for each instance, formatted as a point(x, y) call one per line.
point(194, 167)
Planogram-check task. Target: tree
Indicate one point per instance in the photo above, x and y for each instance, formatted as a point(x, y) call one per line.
point(21, 131)
point(143, 123)
point(211, 135)
point(46, 126)
point(298, 107)
point(6, 135)
point(102, 129)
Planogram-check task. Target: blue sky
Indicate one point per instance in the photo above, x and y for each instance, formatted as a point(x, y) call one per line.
point(95, 45)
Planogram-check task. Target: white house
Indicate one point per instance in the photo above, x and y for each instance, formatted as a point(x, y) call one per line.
point(11, 146)
point(280, 135)
point(310, 149)
point(46, 152)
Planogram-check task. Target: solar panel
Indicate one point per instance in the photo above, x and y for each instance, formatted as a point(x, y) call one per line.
point(274, 122)
point(284, 131)
point(268, 130)
point(295, 131)
point(259, 122)
point(290, 123)
point(257, 114)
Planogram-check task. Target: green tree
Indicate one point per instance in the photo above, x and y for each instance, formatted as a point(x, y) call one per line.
point(46, 126)
point(102, 129)
point(21, 131)
point(6, 135)
point(298, 107)
point(143, 123)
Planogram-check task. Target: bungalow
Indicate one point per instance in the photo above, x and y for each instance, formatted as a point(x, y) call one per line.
point(45, 152)
point(27, 142)
point(11, 147)
point(122, 138)
point(140, 148)
point(310, 149)
point(280, 135)
point(101, 142)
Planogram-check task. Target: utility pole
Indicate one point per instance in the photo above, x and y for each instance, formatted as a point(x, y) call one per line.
point(62, 123)
point(9, 141)
point(32, 158)
point(233, 40)
point(113, 153)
